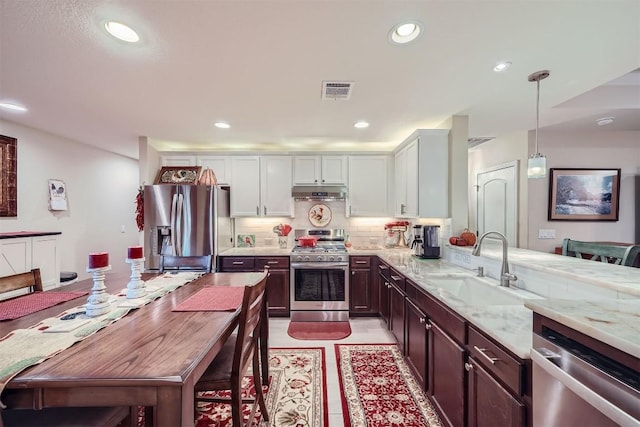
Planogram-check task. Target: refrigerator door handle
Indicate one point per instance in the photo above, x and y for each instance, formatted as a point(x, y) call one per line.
point(172, 223)
point(179, 224)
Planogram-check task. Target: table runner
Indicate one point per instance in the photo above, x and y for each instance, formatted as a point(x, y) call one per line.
point(221, 298)
point(23, 348)
point(26, 304)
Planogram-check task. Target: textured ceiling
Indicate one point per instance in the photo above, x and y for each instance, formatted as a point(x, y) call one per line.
point(260, 65)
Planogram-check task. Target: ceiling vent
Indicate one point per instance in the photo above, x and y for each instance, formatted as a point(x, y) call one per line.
point(475, 141)
point(336, 90)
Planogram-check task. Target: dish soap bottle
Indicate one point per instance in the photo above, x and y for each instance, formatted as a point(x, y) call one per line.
point(347, 242)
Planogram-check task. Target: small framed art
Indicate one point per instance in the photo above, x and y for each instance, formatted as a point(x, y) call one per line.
point(584, 194)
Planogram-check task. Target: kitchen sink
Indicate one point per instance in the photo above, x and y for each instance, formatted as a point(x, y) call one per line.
point(475, 291)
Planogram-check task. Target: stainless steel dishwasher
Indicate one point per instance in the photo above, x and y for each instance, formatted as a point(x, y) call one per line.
point(576, 386)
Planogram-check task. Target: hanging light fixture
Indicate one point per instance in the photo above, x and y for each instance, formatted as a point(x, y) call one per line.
point(537, 164)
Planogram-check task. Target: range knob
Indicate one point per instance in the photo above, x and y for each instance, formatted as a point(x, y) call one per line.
point(331, 258)
point(306, 258)
point(299, 258)
point(338, 258)
point(319, 258)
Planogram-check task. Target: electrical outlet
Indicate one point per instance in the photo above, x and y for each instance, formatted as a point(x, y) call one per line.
point(546, 233)
point(122, 229)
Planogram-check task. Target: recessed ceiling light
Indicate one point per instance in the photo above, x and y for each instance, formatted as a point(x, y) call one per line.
point(361, 124)
point(405, 32)
point(605, 121)
point(13, 107)
point(222, 125)
point(122, 32)
point(502, 66)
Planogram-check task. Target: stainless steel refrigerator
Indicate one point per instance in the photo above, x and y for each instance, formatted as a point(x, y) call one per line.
point(186, 220)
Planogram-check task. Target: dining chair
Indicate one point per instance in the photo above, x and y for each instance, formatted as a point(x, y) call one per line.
point(185, 263)
point(67, 417)
point(30, 279)
point(615, 254)
point(232, 362)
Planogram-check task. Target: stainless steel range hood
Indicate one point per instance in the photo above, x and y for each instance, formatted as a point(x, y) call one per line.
point(321, 192)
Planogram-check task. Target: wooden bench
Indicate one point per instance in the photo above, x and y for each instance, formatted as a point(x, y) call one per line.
point(607, 252)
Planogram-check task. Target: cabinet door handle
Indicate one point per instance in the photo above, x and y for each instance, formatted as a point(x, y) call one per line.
point(493, 360)
point(353, 273)
point(395, 278)
point(272, 262)
point(427, 326)
point(323, 180)
point(238, 262)
point(361, 262)
point(423, 319)
point(265, 211)
point(468, 366)
point(257, 210)
point(383, 267)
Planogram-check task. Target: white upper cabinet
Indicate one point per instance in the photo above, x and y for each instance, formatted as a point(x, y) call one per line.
point(422, 175)
point(368, 192)
point(320, 170)
point(220, 165)
point(179, 160)
point(261, 186)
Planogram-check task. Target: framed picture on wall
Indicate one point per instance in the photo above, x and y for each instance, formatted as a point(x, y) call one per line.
point(584, 194)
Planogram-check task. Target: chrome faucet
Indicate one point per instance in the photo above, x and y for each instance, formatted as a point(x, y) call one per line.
point(505, 277)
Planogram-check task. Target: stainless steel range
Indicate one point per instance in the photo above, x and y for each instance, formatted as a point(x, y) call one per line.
point(320, 277)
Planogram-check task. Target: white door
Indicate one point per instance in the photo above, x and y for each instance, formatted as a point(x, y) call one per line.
point(498, 201)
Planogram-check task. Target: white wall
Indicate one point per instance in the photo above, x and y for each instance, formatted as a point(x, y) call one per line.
point(502, 149)
point(599, 149)
point(101, 189)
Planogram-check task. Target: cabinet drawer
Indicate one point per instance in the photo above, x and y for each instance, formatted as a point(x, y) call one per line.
point(384, 270)
point(449, 321)
point(240, 263)
point(497, 361)
point(396, 279)
point(360, 261)
point(273, 262)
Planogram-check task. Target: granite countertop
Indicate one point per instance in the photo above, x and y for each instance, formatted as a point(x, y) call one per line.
point(615, 321)
point(623, 279)
point(511, 325)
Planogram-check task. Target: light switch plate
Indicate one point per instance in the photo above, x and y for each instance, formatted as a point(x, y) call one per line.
point(546, 233)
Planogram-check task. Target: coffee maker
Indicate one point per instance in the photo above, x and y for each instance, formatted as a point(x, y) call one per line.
point(416, 241)
point(430, 241)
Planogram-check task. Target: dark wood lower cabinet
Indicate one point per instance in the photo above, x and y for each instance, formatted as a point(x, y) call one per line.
point(396, 315)
point(447, 377)
point(363, 285)
point(490, 404)
point(277, 283)
point(383, 290)
point(416, 342)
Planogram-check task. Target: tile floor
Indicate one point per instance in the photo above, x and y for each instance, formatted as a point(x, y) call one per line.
point(363, 331)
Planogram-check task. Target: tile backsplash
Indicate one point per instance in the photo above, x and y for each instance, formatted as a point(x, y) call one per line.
point(363, 232)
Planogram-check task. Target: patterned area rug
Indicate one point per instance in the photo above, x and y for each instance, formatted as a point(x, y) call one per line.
point(296, 395)
point(378, 389)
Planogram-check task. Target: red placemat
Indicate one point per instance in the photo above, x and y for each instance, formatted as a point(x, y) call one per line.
point(215, 298)
point(36, 301)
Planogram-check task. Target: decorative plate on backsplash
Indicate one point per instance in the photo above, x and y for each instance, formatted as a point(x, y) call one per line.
point(319, 215)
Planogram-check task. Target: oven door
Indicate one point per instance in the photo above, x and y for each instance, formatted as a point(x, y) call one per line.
point(319, 291)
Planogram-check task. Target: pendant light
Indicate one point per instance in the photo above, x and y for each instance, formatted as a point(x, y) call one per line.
point(537, 164)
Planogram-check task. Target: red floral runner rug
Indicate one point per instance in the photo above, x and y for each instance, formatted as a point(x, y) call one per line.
point(296, 394)
point(379, 390)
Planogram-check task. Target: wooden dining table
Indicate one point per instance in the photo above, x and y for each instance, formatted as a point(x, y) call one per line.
point(152, 357)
